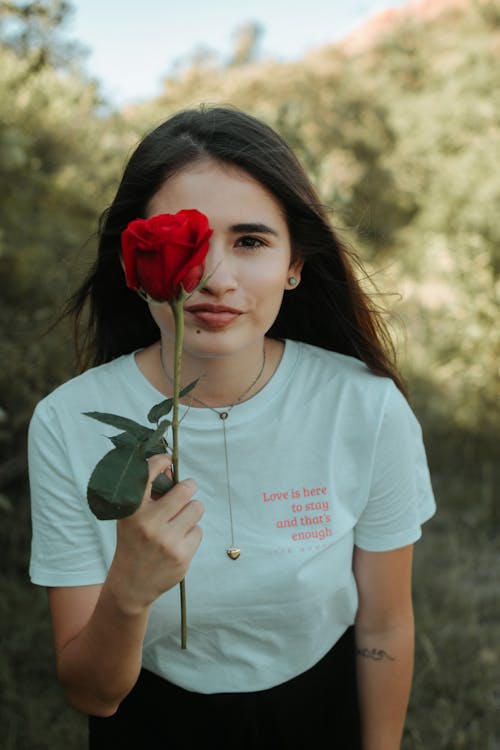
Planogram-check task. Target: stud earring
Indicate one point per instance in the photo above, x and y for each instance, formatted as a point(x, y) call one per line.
point(292, 281)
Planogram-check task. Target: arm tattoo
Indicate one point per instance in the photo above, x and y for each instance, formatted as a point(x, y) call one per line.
point(373, 653)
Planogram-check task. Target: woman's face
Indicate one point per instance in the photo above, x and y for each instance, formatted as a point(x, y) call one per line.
point(248, 262)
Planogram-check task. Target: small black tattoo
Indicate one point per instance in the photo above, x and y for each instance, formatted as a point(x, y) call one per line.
point(374, 653)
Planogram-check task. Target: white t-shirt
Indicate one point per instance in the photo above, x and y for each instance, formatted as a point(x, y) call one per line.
point(325, 456)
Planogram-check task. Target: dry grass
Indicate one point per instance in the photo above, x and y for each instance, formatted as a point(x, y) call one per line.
point(456, 692)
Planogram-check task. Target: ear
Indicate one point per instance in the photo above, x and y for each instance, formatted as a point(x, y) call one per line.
point(294, 272)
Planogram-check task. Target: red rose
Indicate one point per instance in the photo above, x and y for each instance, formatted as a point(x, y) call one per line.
point(165, 251)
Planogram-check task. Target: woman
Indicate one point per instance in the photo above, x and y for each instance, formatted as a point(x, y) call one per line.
point(303, 476)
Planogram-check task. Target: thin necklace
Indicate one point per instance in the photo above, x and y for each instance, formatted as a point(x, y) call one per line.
point(233, 551)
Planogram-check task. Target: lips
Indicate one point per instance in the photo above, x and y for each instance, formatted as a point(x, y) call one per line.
point(213, 316)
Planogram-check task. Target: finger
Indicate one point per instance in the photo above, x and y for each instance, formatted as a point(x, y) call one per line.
point(182, 534)
point(192, 540)
point(160, 473)
point(162, 483)
point(187, 517)
point(166, 507)
point(159, 464)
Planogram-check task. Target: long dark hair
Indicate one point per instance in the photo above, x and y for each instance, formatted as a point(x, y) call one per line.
point(328, 309)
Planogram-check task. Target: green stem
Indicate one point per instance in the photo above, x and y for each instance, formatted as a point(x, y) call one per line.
point(178, 313)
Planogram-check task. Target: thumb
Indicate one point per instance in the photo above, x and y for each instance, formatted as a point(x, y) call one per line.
point(160, 475)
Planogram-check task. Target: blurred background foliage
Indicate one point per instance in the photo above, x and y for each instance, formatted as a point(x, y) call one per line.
point(400, 132)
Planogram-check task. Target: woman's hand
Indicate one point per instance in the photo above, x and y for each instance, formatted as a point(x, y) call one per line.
point(99, 629)
point(156, 544)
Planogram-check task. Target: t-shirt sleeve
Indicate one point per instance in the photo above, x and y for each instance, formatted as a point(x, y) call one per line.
point(65, 548)
point(401, 498)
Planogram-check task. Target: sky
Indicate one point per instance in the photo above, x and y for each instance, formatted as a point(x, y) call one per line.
point(133, 44)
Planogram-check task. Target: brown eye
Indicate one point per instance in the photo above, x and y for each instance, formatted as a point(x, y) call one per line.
point(252, 243)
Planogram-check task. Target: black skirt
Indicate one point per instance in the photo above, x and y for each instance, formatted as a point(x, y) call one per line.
point(320, 703)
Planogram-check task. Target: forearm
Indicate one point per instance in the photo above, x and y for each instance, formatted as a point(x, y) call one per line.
point(99, 630)
point(385, 669)
point(99, 667)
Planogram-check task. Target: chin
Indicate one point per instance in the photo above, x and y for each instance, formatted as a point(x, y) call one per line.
point(218, 343)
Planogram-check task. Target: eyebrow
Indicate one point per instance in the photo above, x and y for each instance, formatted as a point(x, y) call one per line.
point(259, 228)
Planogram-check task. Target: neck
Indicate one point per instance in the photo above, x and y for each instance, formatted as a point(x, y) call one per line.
point(223, 380)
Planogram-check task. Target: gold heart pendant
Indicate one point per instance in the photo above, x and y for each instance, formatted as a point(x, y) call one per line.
point(233, 552)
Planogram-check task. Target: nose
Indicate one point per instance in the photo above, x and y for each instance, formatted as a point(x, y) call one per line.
point(219, 271)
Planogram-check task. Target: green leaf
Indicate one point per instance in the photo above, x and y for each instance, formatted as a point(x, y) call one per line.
point(161, 484)
point(122, 423)
point(160, 410)
point(125, 438)
point(116, 486)
point(188, 388)
point(157, 450)
point(156, 435)
point(165, 407)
